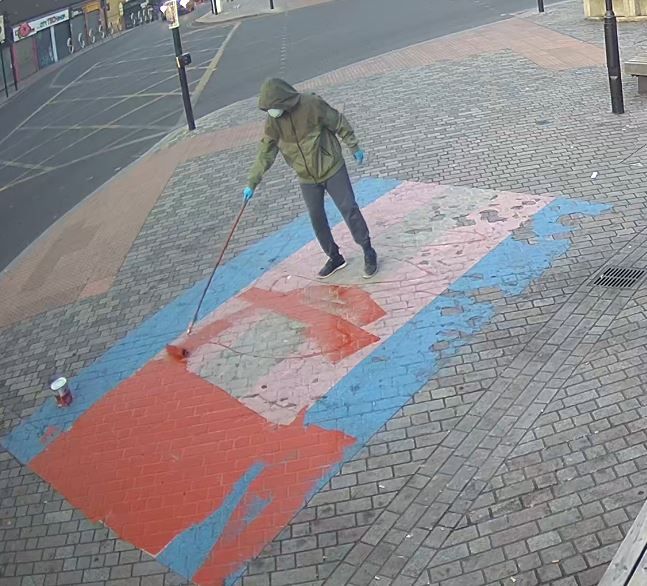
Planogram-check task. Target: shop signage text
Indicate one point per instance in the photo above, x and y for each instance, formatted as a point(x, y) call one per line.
point(27, 29)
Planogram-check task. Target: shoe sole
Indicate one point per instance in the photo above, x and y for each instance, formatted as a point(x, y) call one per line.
point(367, 276)
point(339, 268)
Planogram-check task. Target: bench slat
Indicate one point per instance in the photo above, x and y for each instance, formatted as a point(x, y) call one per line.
point(636, 66)
point(618, 572)
point(639, 577)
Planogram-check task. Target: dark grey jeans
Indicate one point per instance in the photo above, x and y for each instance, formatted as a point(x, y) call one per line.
point(341, 192)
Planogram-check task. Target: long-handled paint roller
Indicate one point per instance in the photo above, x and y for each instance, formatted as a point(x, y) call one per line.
point(179, 352)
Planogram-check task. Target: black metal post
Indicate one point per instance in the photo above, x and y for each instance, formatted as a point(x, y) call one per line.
point(8, 29)
point(540, 5)
point(272, 4)
point(13, 70)
point(4, 74)
point(613, 59)
point(214, 6)
point(184, 84)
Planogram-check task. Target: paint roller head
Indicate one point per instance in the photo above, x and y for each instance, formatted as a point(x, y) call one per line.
point(177, 352)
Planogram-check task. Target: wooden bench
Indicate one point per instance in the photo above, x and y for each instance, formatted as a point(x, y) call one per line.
point(638, 68)
point(629, 566)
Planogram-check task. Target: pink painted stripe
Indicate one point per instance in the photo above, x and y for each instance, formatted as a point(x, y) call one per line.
point(417, 266)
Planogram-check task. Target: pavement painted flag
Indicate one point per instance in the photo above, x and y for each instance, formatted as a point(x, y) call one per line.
point(201, 463)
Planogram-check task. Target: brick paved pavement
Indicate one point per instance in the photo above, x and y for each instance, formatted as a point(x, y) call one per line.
point(42, 279)
point(523, 455)
point(248, 8)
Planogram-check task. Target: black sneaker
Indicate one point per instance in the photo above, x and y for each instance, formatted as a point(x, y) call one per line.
point(370, 263)
point(332, 266)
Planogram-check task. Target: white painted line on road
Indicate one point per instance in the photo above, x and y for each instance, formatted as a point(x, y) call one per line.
point(210, 69)
point(204, 80)
point(100, 127)
point(112, 121)
point(139, 73)
point(158, 56)
point(85, 158)
point(25, 166)
point(113, 147)
point(45, 104)
point(117, 97)
point(202, 29)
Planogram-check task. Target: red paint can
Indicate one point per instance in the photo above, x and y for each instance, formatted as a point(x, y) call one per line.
point(61, 391)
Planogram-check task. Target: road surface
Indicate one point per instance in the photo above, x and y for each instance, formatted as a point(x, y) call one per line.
point(78, 125)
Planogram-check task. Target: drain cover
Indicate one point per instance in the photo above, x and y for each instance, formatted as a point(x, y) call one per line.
point(619, 277)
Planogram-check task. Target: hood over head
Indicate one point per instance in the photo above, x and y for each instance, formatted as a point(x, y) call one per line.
point(278, 94)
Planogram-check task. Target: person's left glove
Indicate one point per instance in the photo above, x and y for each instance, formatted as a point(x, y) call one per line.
point(359, 156)
point(248, 193)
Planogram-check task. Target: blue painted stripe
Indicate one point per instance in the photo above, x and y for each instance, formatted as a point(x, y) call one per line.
point(237, 575)
point(373, 392)
point(398, 368)
point(189, 550)
point(143, 343)
point(255, 508)
point(406, 361)
point(513, 264)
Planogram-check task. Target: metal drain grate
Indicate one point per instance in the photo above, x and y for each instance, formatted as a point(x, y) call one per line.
point(619, 278)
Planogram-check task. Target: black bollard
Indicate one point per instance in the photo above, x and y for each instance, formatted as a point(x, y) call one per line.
point(540, 5)
point(182, 61)
point(4, 74)
point(14, 72)
point(613, 59)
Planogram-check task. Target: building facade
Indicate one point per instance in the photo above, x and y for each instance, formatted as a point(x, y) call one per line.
point(42, 32)
point(39, 40)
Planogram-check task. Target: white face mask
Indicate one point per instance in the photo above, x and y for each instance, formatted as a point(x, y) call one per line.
point(275, 112)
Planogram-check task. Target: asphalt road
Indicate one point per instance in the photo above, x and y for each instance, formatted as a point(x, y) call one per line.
point(331, 35)
point(71, 131)
point(74, 128)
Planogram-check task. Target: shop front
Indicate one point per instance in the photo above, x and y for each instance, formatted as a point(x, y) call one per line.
point(93, 21)
point(87, 24)
point(38, 42)
point(77, 29)
point(138, 12)
point(114, 12)
point(62, 39)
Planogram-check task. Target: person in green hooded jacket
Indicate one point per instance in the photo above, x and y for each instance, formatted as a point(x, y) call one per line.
point(304, 128)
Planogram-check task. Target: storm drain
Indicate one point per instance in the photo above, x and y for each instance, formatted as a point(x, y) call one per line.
point(619, 277)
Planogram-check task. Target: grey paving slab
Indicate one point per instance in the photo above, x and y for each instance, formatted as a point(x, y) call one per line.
point(523, 458)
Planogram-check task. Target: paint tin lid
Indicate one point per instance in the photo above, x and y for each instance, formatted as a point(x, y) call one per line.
point(58, 384)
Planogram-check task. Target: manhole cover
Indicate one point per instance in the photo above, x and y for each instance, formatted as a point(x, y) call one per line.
point(619, 277)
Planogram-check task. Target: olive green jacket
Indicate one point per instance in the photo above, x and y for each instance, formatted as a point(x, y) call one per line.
point(305, 134)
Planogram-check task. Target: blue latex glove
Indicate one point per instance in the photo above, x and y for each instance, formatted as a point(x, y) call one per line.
point(248, 193)
point(359, 156)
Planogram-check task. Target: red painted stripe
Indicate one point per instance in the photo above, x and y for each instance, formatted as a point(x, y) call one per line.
point(160, 453)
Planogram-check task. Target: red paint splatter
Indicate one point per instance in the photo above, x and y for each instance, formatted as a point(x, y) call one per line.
point(332, 313)
point(350, 303)
point(50, 434)
point(337, 337)
point(161, 452)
